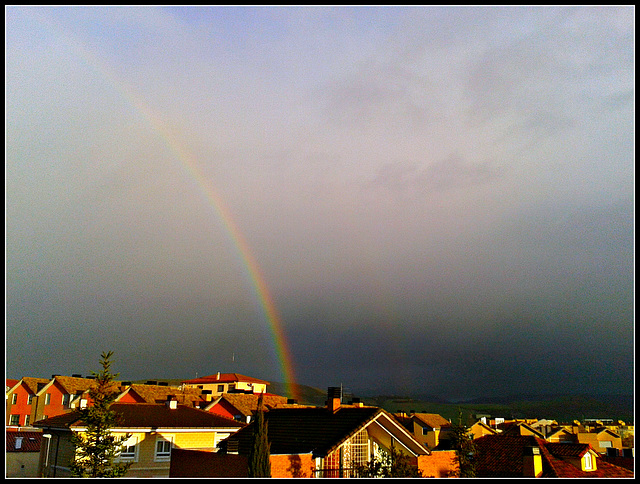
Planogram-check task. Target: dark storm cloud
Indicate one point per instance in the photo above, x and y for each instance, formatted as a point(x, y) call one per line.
point(434, 196)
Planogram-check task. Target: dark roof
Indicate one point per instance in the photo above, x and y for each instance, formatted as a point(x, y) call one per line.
point(148, 415)
point(502, 456)
point(30, 441)
point(306, 430)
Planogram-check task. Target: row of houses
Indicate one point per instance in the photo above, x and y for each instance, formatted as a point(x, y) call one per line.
point(203, 429)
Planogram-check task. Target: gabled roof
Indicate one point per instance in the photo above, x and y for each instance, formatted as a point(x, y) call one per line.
point(516, 429)
point(70, 384)
point(247, 404)
point(315, 430)
point(160, 393)
point(10, 383)
point(224, 378)
point(30, 441)
point(502, 456)
point(431, 420)
point(31, 384)
point(148, 415)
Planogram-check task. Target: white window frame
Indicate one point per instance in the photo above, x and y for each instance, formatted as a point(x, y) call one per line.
point(47, 398)
point(588, 461)
point(14, 419)
point(606, 443)
point(164, 455)
point(29, 399)
point(129, 456)
point(26, 420)
point(66, 400)
point(14, 399)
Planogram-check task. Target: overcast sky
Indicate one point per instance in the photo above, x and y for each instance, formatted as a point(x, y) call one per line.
point(439, 199)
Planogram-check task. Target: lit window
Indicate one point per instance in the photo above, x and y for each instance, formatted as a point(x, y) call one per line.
point(588, 462)
point(163, 450)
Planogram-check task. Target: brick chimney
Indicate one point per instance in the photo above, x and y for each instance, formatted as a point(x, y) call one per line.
point(333, 398)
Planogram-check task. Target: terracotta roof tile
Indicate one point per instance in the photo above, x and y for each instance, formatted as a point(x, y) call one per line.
point(29, 441)
point(148, 415)
point(225, 378)
point(160, 393)
point(433, 420)
point(247, 404)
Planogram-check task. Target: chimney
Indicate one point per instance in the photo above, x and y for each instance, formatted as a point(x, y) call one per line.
point(172, 402)
point(218, 376)
point(333, 398)
point(531, 462)
point(77, 375)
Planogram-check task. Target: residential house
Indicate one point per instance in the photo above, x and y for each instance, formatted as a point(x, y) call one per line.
point(561, 435)
point(600, 439)
point(319, 442)
point(147, 393)
point(241, 406)
point(22, 453)
point(9, 384)
point(428, 428)
point(513, 455)
point(520, 428)
point(480, 429)
point(21, 399)
point(154, 431)
point(216, 385)
point(61, 395)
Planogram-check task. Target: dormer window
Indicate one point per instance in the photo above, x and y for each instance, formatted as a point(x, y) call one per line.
point(587, 461)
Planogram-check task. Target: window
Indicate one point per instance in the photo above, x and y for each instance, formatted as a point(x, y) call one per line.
point(47, 399)
point(14, 420)
point(66, 399)
point(588, 463)
point(129, 450)
point(26, 420)
point(606, 443)
point(14, 399)
point(425, 430)
point(221, 388)
point(30, 400)
point(163, 449)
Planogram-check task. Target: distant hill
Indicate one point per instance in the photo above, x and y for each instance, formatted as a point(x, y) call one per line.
point(564, 408)
point(307, 395)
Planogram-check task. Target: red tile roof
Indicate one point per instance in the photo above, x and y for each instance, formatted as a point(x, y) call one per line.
point(225, 378)
point(432, 420)
point(502, 456)
point(30, 440)
point(149, 415)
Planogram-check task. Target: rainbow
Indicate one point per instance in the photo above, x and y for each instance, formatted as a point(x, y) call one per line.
point(212, 197)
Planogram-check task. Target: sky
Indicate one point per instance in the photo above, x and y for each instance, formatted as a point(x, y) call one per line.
point(428, 200)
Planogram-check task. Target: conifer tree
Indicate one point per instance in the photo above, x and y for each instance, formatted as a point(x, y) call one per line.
point(259, 464)
point(97, 448)
point(465, 449)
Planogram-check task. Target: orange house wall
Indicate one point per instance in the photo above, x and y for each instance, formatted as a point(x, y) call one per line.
point(21, 406)
point(442, 463)
point(295, 465)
